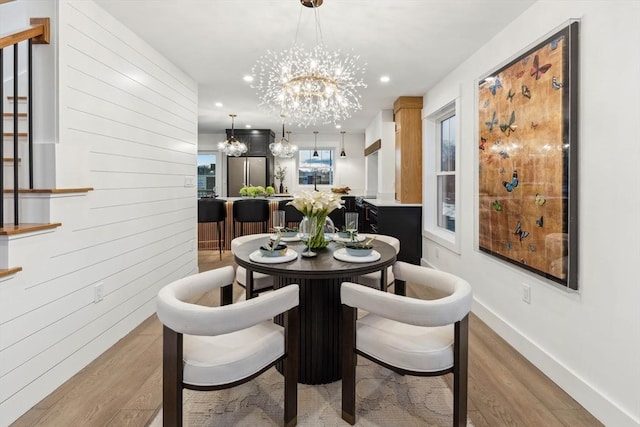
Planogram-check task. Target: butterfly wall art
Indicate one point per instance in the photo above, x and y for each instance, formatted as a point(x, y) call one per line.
point(538, 70)
point(520, 233)
point(491, 123)
point(526, 179)
point(495, 86)
point(509, 186)
point(507, 128)
point(556, 84)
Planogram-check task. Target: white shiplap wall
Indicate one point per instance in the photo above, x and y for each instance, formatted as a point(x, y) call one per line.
point(127, 128)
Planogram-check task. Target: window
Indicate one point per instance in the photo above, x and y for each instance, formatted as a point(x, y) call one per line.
point(206, 174)
point(442, 185)
point(446, 173)
point(315, 170)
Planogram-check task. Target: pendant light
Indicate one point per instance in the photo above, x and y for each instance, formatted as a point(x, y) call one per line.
point(343, 155)
point(315, 144)
point(283, 148)
point(232, 147)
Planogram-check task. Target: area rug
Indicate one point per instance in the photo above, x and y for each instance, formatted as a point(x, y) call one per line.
point(383, 398)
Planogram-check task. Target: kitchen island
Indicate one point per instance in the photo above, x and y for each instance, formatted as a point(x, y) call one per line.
point(400, 220)
point(208, 233)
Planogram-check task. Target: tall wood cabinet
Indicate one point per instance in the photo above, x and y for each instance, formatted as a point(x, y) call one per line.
point(407, 112)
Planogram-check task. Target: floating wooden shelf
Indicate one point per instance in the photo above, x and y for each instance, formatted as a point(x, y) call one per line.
point(12, 230)
point(50, 190)
point(9, 271)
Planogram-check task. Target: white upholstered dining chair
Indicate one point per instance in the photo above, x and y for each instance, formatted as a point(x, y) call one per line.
point(372, 280)
point(213, 348)
point(261, 282)
point(408, 335)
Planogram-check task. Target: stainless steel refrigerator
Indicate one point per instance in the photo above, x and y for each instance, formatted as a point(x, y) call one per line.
point(243, 171)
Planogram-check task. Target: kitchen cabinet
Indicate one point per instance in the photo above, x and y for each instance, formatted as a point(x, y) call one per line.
point(407, 112)
point(394, 219)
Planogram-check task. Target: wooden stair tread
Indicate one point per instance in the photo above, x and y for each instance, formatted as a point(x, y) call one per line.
point(20, 98)
point(9, 271)
point(11, 114)
point(21, 134)
point(12, 230)
point(10, 159)
point(50, 190)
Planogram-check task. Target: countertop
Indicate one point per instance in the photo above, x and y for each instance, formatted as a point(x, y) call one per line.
point(390, 203)
point(273, 198)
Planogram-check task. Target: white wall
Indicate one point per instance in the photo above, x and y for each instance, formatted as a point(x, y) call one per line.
point(348, 172)
point(380, 171)
point(128, 128)
point(588, 343)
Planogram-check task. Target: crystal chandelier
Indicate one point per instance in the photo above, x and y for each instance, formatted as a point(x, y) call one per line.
point(232, 147)
point(310, 87)
point(283, 148)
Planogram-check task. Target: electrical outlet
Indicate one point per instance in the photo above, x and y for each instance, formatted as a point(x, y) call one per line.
point(98, 292)
point(526, 293)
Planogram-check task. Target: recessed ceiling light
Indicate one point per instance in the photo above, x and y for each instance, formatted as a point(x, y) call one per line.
point(248, 78)
point(247, 126)
point(218, 104)
point(385, 79)
point(338, 126)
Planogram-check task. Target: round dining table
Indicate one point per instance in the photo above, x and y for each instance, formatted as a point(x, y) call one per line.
point(319, 279)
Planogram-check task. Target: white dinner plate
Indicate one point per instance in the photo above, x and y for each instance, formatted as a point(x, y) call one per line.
point(295, 238)
point(256, 256)
point(342, 255)
point(347, 239)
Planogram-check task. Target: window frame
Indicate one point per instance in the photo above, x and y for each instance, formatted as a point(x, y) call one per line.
point(439, 234)
point(216, 175)
point(332, 152)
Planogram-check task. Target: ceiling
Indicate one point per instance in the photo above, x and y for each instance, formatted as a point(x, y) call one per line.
point(217, 42)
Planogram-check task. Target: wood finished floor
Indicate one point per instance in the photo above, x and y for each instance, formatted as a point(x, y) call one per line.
point(122, 387)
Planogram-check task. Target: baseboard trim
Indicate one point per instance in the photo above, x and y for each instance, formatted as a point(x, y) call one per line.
point(608, 412)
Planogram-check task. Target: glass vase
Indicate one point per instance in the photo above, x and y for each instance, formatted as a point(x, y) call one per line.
point(317, 227)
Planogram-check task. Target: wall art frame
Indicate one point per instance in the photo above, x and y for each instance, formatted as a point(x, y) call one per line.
point(528, 159)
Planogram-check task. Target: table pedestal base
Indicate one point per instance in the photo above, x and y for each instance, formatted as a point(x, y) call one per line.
point(320, 328)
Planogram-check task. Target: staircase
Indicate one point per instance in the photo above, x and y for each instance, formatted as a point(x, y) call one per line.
point(25, 210)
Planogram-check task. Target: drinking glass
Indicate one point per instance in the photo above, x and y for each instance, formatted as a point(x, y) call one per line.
point(306, 228)
point(351, 223)
point(278, 221)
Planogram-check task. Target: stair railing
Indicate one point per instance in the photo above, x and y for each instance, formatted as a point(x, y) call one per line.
point(37, 33)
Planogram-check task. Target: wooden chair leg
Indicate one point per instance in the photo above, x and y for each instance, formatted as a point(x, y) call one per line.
point(226, 295)
point(460, 371)
point(348, 364)
point(224, 234)
point(219, 239)
point(291, 323)
point(171, 378)
point(400, 287)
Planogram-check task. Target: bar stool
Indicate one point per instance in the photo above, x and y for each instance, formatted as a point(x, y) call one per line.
point(250, 210)
point(213, 210)
point(291, 214)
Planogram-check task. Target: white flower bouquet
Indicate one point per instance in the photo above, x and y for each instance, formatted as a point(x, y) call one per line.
point(316, 206)
point(316, 203)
